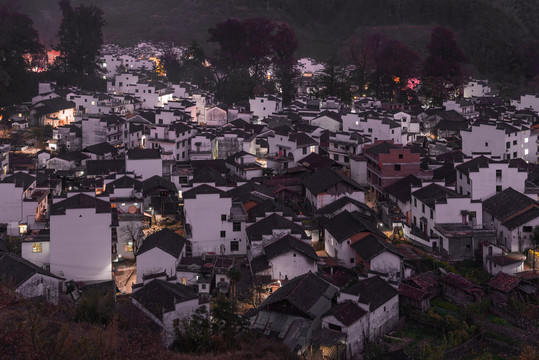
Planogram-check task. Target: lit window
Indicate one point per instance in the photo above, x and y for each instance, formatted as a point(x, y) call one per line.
point(129, 247)
point(526, 151)
point(36, 248)
point(526, 140)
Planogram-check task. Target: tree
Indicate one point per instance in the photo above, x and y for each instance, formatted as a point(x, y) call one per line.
point(284, 44)
point(193, 335)
point(234, 275)
point(19, 42)
point(396, 63)
point(247, 50)
point(334, 82)
point(442, 74)
point(80, 38)
point(131, 232)
point(226, 323)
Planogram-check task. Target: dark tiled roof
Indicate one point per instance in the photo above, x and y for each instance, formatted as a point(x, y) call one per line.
point(412, 292)
point(287, 243)
point(340, 203)
point(504, 282)
point(370, 246)
point(325, 178)
point(201, 190)
point(53, 105)
point(16, 270)
point(159, 296)
point(166, 240)
point(503, 260)
point(20, 179)
point(373, 291)
point(273, 222)
point(459, 282)
point(157, 181)
point(243, 192)
point(402, 189)
point(523, 217)
point(475, 164)
point(316, 161)
point(302, 139)
point(207, 174)
point(507, 203)
point(137, 154)
point(101, 149)
point(303, 292)
point(81, 201)
point(218, 165)
point(347, 312)
point(382, 148)
point(267, 206)
point(124, 182)
point(345, 224)
point(104, 167)
point(434, 193)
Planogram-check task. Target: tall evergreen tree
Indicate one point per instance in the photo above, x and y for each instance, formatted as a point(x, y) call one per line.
point(80, 37)
point(18, 38)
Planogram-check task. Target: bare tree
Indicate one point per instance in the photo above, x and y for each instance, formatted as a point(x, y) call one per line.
point(131, 232)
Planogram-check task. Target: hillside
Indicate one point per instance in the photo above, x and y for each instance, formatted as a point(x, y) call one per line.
point(487, 30)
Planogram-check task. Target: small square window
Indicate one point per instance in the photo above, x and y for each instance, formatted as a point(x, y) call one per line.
point(401, 156)
point(234, 246)
point(498, 188)
point(236, 226)
point(223, 234)
point(486, 144)
point(352, 260)
point(397, 167)
point(37, 247)
point(223, 217)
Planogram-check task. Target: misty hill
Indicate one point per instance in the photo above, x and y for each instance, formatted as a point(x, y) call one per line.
point(488, 30)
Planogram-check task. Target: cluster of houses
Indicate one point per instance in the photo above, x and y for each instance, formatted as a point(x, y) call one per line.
point(296, 197)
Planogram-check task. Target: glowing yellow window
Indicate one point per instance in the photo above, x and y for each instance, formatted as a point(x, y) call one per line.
point(129, 247)
point(36, 248)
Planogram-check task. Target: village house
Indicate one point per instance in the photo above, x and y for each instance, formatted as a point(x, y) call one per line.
point(286, 148)
point(505, 287)
point(263, 106)
point(476, 88)
point(503, 139)
point(54, 112)
point(381, 300)
point(285, 258)
point(29, 280)
point(344, 229)
point(328, 120)
point(243, 166)
point(527, 101)
point(103, 128)
point(160, 252)
point(327, 185)
point(270, 228)
point(483, 177)
point(81, 238)
point(174, 140)
point(166, 304)
point(14, 190)
point(68, 137)
point(345, 147)
point(214, 223)
point(144, 163)
point(514, 217)
point(460, 290)
point(496, 260)
point(436, 204)
point(374, 125)
point(387, 163)
point(293, 313)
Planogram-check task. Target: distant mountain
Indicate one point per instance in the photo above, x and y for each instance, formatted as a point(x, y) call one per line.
point(488, 30)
